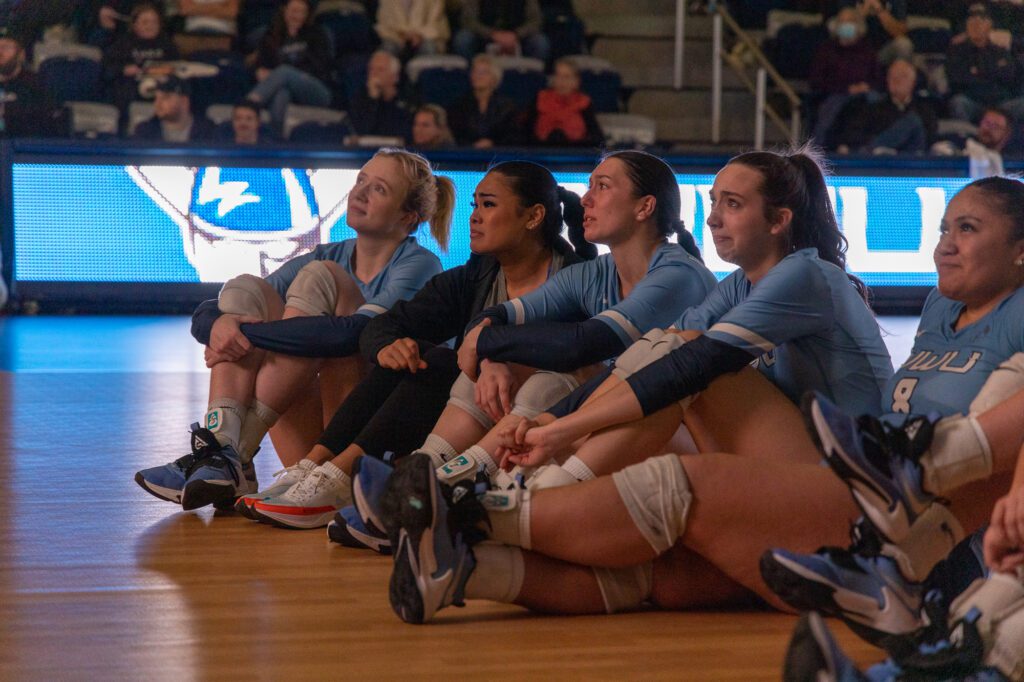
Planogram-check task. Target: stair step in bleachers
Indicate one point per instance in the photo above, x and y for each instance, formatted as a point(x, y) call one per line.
point(655, 67)
point(685, 116)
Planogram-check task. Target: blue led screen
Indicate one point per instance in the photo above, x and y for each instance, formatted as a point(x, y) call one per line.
point(176, 223)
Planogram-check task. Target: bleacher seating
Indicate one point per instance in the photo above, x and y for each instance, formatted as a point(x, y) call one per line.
point(441, 79)
point(628, 129)
point(137, 113)
point(600, 80)
point(314, 124)
point(522, 78)
point(70, 72)
point(93, 120)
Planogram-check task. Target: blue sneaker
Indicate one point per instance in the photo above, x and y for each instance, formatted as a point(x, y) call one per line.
point(432, 564)
point(167, 481)
point(370, 477)
point(815, 656)
point(878, 461)
point(347, 528)
point(218, 479)
point(868, 593)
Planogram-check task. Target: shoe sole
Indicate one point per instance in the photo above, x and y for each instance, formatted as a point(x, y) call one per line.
point(362, 504)
point(166, 494)
point(280, 519)
point(888, 514)
point(197, 494)
point(804, 594)
point(243, 505)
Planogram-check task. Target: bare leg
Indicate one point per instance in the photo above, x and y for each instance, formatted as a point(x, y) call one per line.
point(685, 580)
point(553, 586)
point(458, 428)
point(617, 447)
point(345, 459)
point(1002, 426)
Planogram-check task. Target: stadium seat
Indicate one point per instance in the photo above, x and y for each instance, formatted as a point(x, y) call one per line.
point(93, 120)
point(348, 29)
point(315, 124)
point(522, 78)
point(627, 129)
point(441, 79)
point(791, 40)
point(230, 84)
point(70, 72)
point(221, 113)
point(137, 113)
point(600, 80)
point(930, 35)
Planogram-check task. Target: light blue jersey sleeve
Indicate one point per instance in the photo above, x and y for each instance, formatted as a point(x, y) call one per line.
point(721, 300)
point(559, 298)
point(792, 300)
point(283, 277)
point(404, 277)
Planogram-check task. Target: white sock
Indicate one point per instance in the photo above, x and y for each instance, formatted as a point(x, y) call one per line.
point(439, 449)
point(579, 469)
point(483, 457)
point(509, 514)
point(959, 454)
point(498, 575)
point(259, 419)
point(224, 419)
point(332, 471)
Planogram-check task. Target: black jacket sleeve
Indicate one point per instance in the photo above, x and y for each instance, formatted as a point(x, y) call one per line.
point(206, 313)
point(554, 346)
point(685, 371)
point(319, 336)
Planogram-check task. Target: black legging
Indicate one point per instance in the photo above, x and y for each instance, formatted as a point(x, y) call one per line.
point(393, 411)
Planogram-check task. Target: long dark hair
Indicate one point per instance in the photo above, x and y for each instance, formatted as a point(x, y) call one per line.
point(534, 184)
point(796, 180)
point(277, 33)
point(650, 175)
point(1009, 194)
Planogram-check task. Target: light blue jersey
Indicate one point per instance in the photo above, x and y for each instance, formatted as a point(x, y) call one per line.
point(675, 281)
point(947, 368)
point(410, 267)
point(808, 326)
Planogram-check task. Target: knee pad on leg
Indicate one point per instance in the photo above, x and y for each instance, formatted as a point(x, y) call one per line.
point(243, 295)
point(652, 346)
point(657, 495)
point(463, 396)
point(541, 391)
point(550, 476)
point(624, 588)
point(931, 538)
point(314, 290)
point(1006, 380)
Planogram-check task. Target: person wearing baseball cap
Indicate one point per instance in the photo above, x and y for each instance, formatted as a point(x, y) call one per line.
point(173, 120)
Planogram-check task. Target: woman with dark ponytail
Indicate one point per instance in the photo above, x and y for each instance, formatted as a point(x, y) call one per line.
point(516, 245)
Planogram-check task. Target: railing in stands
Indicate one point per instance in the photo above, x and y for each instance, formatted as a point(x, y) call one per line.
point(758, 85)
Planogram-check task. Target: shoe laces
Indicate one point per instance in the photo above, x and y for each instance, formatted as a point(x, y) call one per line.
point(279, 476)
point(218, 461)
point(907, 441)
point(309, 486)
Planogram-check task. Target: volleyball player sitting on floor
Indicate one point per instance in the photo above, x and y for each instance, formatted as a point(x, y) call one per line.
point(898, 467)
point(308, 315)
point(585, 314)
point(680, 531)
point(514, 237)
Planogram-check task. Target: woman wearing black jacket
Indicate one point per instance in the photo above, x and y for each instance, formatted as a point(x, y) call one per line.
point(514, 235)
point(126, 61)
point(293, 63)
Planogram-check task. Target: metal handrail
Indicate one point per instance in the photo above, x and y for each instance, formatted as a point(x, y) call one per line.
point(759, 87)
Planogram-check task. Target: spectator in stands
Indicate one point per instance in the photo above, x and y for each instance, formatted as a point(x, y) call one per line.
point(506, 27)
point(409, 28)
point(430, 128)
point(293, 62)
point(900, 122)
point(381, 110)
point(483, 118)
point(844, 66)
point(980, 73)
point(245, 124)
point(886, 22)
point(103, 21)
point(172, 116)
point(26, 110)
point(128, 59)
point(563, 115)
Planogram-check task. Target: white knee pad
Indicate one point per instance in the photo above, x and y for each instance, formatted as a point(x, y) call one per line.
point(243, 295)
point(1006, 380)
point(931, 538)
point(657, 495)
point(550, 476)
point(624, 588)
point(652, 346)
point(999, 600)
point(314, 290)
point(541, 391)
point(463, 396)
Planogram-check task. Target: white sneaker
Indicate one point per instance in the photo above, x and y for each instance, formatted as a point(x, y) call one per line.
point(283, 480)
point(310, 503)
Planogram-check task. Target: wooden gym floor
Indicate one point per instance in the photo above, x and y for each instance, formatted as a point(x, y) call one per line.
point(101, 581)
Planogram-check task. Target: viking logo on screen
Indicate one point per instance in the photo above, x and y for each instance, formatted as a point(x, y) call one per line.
point(246, 220)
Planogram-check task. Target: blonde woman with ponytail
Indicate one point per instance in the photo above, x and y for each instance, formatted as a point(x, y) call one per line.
point(283, 351)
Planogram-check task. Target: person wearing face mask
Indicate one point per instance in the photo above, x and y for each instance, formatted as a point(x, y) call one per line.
point(845, 66)
point(25, 108)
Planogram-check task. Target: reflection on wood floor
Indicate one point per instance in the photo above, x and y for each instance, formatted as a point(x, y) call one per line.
point(99, 580)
